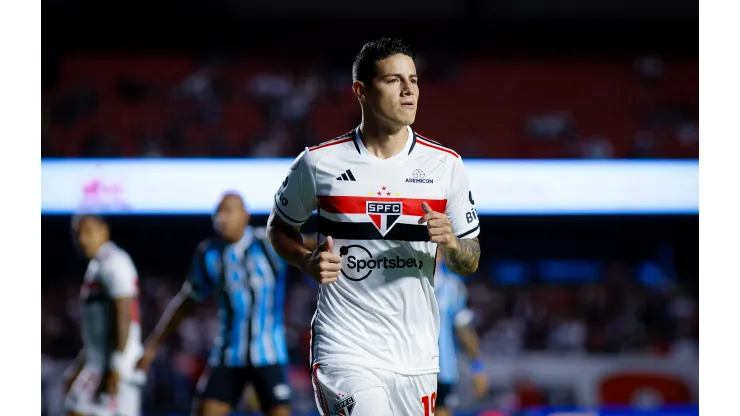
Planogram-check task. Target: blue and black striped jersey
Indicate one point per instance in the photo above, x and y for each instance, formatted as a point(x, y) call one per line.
point(249, 280)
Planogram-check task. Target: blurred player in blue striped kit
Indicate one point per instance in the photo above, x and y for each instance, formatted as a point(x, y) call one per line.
point(455, 327)
point(240, 266)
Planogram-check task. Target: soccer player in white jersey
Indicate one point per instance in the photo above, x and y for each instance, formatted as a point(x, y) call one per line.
point(103, 381)
point(386, 197)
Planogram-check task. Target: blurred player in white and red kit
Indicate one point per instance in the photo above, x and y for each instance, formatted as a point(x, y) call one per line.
point(386, 198)
point(102, 380)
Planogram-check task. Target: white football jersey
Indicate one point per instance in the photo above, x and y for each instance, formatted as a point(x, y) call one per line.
point(110, 275)
point(382, 312)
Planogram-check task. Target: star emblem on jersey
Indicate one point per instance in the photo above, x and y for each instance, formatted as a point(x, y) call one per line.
point(384, 214)
point(345, 407)
point(384, 192)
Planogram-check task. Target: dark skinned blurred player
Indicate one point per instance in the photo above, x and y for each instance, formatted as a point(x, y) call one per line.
point(103, 381)
point(249, 278)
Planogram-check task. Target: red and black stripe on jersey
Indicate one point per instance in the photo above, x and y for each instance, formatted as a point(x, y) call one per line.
point(424, 141)
point(337, 140)
point(354, 230)
point(94, 292)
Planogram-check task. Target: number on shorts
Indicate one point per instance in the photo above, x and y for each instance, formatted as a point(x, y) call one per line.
point(429, 403)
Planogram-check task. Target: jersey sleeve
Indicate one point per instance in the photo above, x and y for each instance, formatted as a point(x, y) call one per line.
point(460, 203)
point(201, 278)
point(119, 276)
point(296, 199)
point(463, 314)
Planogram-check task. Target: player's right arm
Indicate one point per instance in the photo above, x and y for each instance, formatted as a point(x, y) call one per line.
point(199, 284)
point(293, 204)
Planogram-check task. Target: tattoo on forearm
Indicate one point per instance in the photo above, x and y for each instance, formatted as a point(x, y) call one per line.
point(464, 261)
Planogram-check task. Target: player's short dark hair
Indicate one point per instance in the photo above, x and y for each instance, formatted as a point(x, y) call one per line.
point(363, 68)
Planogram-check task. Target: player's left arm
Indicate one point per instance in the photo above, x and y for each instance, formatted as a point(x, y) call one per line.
point(456, 230)
point(464, 329)
point(463, 259)
point(468, 340)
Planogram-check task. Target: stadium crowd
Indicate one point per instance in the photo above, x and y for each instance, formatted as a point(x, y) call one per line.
point(231, 106)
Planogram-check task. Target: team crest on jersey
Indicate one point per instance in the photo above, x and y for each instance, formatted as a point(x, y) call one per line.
point(384, 214)
point(345, 406)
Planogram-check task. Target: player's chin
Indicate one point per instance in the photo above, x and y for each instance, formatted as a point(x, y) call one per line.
point(407, 118)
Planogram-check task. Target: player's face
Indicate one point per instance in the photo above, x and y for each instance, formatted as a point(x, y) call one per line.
point(231, 218)
point(394, 93)
point(91, 234)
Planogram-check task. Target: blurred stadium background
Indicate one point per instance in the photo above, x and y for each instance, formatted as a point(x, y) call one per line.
point(593, 312)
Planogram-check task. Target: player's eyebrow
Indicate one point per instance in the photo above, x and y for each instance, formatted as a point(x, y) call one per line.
point(399, 75)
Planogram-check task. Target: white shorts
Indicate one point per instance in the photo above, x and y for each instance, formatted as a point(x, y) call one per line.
point(81, 396)
point(364, 392)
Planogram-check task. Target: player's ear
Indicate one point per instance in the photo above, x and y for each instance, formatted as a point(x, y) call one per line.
point(358, 87)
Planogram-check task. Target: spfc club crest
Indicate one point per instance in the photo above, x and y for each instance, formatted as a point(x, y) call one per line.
point(345, 406)
point(384, 214)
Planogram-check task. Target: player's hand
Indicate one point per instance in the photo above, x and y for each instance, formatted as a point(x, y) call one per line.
point(439, 227)
point(480, 385)
point(322, 264)
point(146, 360)
point(108, 384)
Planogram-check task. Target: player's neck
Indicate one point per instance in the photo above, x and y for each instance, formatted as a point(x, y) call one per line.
point(96, 251)
point(381, 141)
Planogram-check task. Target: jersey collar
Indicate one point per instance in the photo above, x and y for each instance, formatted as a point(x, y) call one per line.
point(362, 150)
point(246, 239)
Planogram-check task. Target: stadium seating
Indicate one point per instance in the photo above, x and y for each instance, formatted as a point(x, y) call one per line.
point(482, 112)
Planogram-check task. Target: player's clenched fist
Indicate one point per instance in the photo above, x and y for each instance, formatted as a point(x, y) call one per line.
point(438, 226)
point(323, 265)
